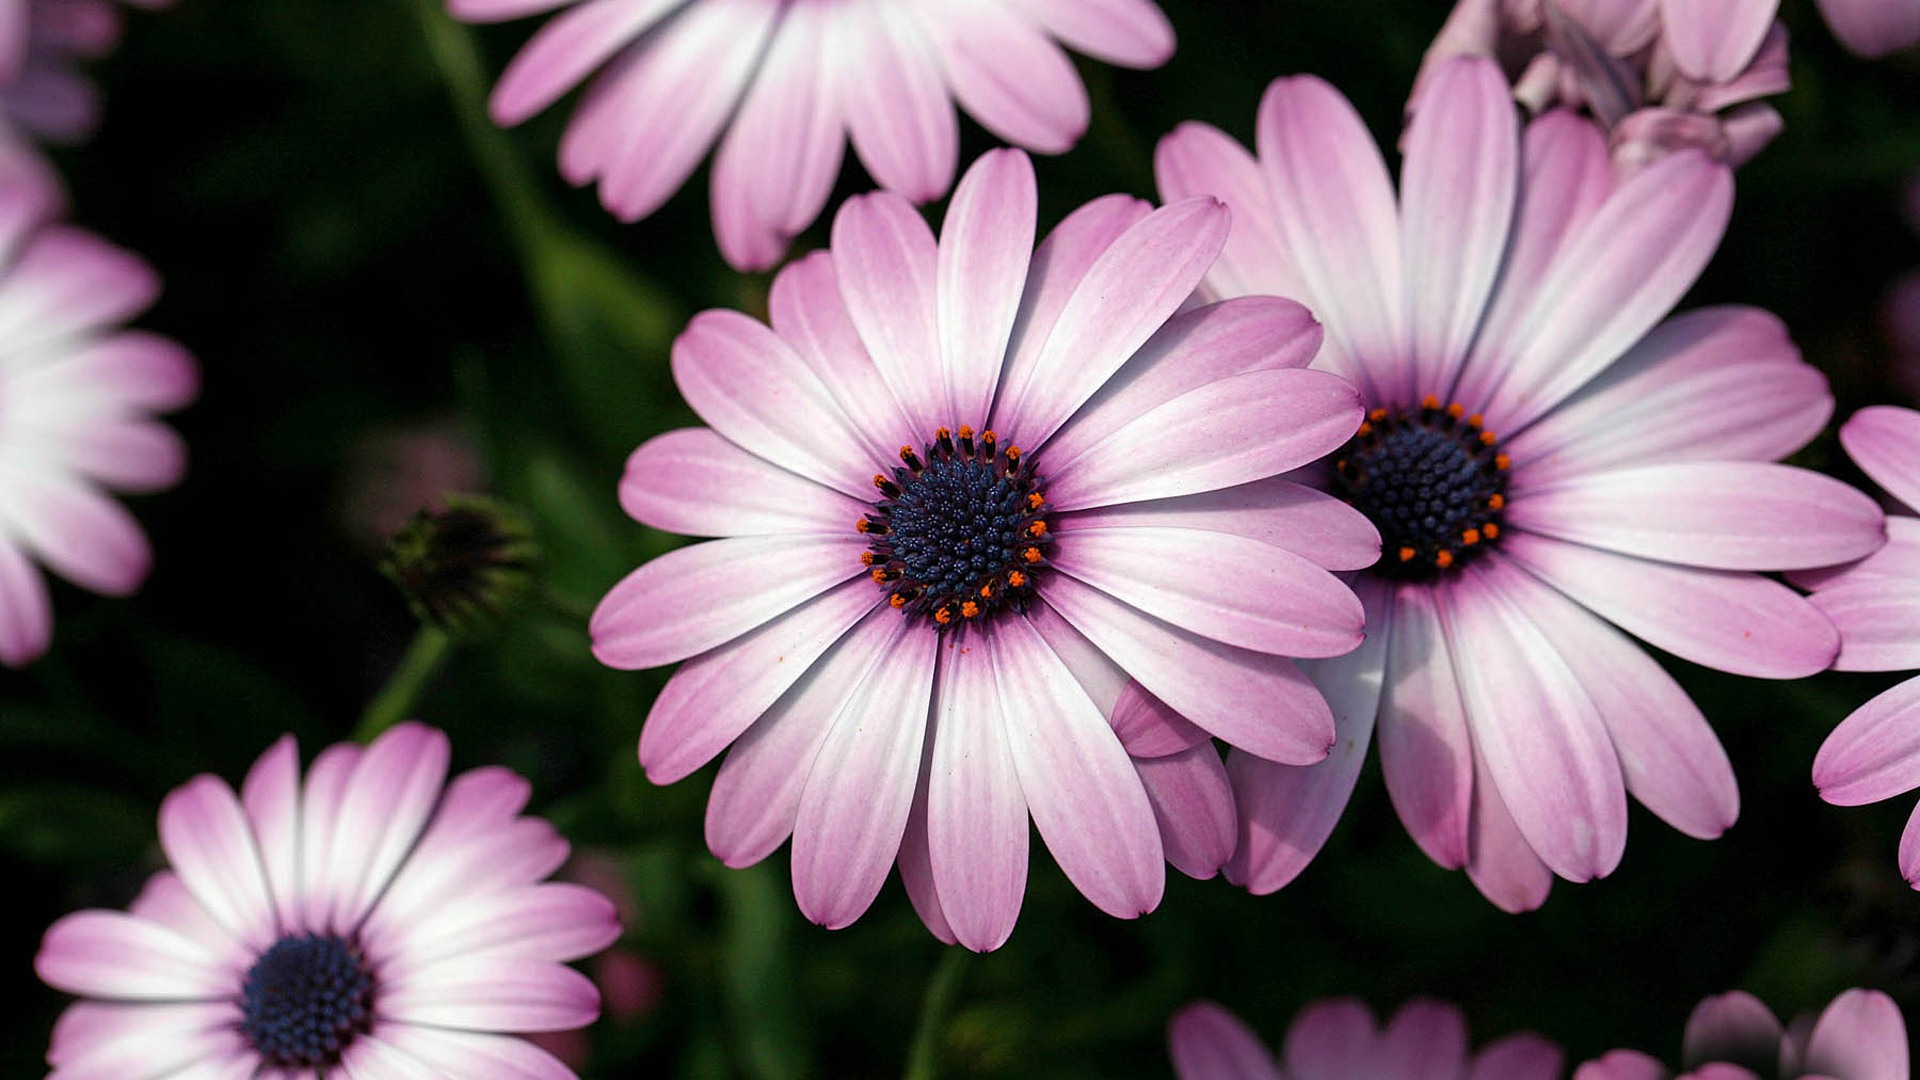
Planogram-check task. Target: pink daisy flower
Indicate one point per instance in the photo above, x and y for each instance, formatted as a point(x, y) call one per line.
point(77, 398)
point(1660, 75)
point(375, 922)
point(1339, 1040)
point(1547, 467)
point(1874, 753)
point(42, 87)
point(1859, 1036)
point(781, 85)
point(965, 489)
point(1873, 28)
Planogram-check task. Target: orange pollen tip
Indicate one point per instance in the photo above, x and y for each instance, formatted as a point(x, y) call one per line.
point(1491, 530)
point(1032, 555)
point(1377, 415)
point(1496, 500)
point(1366, 429)
point(1456, 410)
point(897, 601)
point(906, 451)
point(862, 525)
point(880, 481)
point(943, 616)
point(1407, 554)
point(880, 574)
point(969, 609)
point(1038, 528)
point(1443, 560)
point(1035, 502)
point(986, 591)
point(1488, 438)
point(1430, 402)
point(988, 435)
point(1476, 420)
point(1501, 461)
point(866, 558)
point(1470, 537)
point(942, 433)
point(1017, 579)
point(966, 432)
point(1013, 453)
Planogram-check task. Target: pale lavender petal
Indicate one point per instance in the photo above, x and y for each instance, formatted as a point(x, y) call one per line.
point(67, 281)
point(698, 597)
point(1884, 440)
point(473, 1053)
point(144, 1041)
point(1713, 40)
point(1192, 799)
point(860, 788)
point(694, 482)
point(1874, 753)
point(1733, 1026)
point(1131, 33)
point(1670, 758)
point(1860, 1036)
point(1618, 1065)
point(211, 846)
point(756, 797)
point(1328, 1039)
point(888, 263)
point(1909, 855)
point(1335, 208)
point(976, 810)
point(321, 804)
point(898, 109)
point(717, 695)
point(119, 957)
point(500, 10)
point(387, 803)
point(1207, 1042)
point(490, 993)
point(1873, 27)
point(570, 47)
point(1112, 689)
point(1011, 77)
point(1229, 588)
point(1257, 702)
point(1612, 281)
point(1147, 726)
point(555, 920)
point(984, 250)
point(1646, 407)
point(1736, 622)
point(271, 797)
point(133, 368)
point(1080, 786)
point(1500, 861)
point(1276, 511)
point(1520, 1057)
point(1425, 1040)
point(1458, 190)
point(1542, 738)
point(26, 611)
point(1898, 561)
point(916, 857)
point(1128, 293)
point(1230, 432)
point(754, 389)
point(1194, 348)
point(1726, 515)
point(1200, 159)
point(1426, 754)
point(76, 531)
point(1875, 618)
point(1288, 811)
point(809, 314)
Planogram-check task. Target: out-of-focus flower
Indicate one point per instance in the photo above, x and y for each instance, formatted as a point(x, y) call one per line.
point(966, 488)
point(374, 919)
point(1873, 27)
point(631, 984)
point(1859, 1036)
point(1546, 465)
point(781, 85)
point(43, 89)
point(392, 473)
point(464, 568)
point(78, 396)
point(1339, 1040)
point(1658, 75)
point(1875, 753)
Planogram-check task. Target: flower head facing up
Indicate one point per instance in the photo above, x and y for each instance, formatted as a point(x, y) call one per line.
point(965, 488)
point(1860, 1035)
point(78, 396)
point(374, 918)
point(1338, 1039)
point(1546, 462)
point(782, 85)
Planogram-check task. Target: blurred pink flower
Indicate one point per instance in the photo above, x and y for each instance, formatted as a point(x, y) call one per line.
point(1339, 1040)
point(631, 984)
point(1858, 1036)
point(1545, 464)
point(1873, 27)
point(781, 85)
point(375, 919)
point(966, 489)
point(393, 472)
point(77, 398)
point(1658, 75)
point(42, 87)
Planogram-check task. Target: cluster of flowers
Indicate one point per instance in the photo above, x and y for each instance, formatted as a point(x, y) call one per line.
point(1010, 532)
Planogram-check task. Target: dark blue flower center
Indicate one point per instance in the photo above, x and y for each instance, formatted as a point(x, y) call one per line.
point(959, 533)
point(305, 999)
point(1432, 480)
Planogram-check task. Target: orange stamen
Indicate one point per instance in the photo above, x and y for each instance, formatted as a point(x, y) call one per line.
point(1496, 500)
point(969, 609)
point(1456, 410)
point(880, 575)
point(866, 558)
point(897, 601)
point(966, 432)
point(1038, 528)
point(1366, 429)
point(1017, 579)
point(1407, 554)
point(1492, 530)
point(986, 591)
point(1470, 537)
point(1035, 502)
point(1032, 555)
point(943, 616)
point(1488, 438)
point(862, 525)
point(1501, 461)
point(1430, 402)
point(1443, 560)
point(1377, 415)
point(1475, 420)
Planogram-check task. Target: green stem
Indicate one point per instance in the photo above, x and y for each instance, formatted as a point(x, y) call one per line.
point(923, 1058)
point(395, 701)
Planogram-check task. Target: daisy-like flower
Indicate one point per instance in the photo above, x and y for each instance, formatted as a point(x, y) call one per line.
point(1339, 1040)
point(1547, 468)
point(77, 398)
point(1873, 28)
point(965, 489)
point(1875, 753)
point(1860, 1035)
point(374, 922)
point(781, 85)
point(1660, 75)
point(42, 42)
